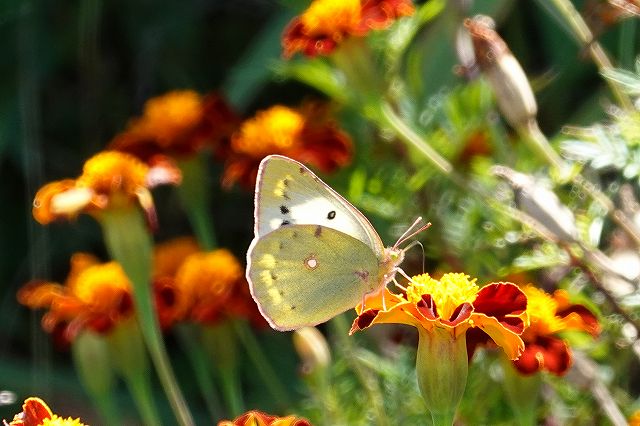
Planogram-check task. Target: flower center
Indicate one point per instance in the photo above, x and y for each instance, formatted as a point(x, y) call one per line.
point(112, 171)
point(102, 285)
point(542, 309)
point(334, 17)
point(448, 293)
point(273, 130)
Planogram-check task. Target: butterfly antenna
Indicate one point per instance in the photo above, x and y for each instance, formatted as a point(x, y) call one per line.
point(408, 234)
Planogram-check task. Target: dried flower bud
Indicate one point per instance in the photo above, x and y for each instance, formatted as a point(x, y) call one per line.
point(540, 203)
point(504, 73)
point(312, 348)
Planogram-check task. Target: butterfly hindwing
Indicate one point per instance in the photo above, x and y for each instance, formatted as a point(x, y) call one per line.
point(306, 274)
point(288, 193)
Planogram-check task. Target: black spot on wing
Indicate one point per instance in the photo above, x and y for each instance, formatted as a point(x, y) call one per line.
point(318, 231)
point(285, 182)
point(331, 215)
point(284, 209)
point(302, 170)
point(285, 222)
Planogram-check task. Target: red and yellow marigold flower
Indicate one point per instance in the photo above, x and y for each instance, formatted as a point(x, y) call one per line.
point(35, 412)
point(179, 123)
point(109, 179)
point(95, 295)
point(549, 316)
point(327, 23)
point(307, 134)
point(258, 418)
point(444, 311)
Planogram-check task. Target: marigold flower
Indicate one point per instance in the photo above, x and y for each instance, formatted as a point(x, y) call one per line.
point(109, 179)
point(179, 123)
point(454, 303)
point(35, 412)
point(326, 23)
point(95, 295)
point(444, 311)
point(200, 286)
point(634, 420)
point(258, 418)
point(307, 134)
point(550, 315)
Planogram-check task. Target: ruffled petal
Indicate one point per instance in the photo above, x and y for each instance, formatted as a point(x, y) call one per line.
point(545, 353)
point(508, 340)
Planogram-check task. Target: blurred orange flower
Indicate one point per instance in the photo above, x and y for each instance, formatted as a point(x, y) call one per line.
point(308, 134)
point(95, 295)
point(109, 179)
point(258, 418)
point(327, 23)
point(179, 123)
point(35, 412)
point(550, 315)
point(201, 286)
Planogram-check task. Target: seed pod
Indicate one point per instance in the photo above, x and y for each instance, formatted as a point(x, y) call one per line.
point(504, 73)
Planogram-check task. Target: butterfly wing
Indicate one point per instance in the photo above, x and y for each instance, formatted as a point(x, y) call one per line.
point(306, 274)
point(288, 193)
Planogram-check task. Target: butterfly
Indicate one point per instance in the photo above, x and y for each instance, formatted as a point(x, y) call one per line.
point(314, 255)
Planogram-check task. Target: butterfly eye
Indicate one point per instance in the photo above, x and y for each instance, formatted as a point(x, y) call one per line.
point(331, 215)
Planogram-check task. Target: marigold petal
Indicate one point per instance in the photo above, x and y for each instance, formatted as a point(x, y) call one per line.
point(575, 316)
point(42, 209)
point(545, 353)
point(379, 14)
point(398, 314)
point(34, 412)
point(509, 341)
point(461, 314)
point(500, 300)
point(259, 418)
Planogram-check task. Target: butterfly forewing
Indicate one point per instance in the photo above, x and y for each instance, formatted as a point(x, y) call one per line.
point(306, 274)
point(288, 193)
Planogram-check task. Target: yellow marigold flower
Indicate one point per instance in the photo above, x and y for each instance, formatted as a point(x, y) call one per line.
point(178, 123)
point(95, 295)
point(35, 412)
point(326, 23)
point(258, 418)
point(307, 134)
point(549, 315)
point(109, 179)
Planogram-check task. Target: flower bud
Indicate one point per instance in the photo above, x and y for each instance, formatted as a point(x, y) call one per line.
point(312, 348)
point(504, 73)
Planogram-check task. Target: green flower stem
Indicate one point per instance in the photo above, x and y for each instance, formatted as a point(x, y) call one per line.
point(129, 243)
point(587, 41)
point(388, 118)
point(195, 196)
point(353, 58)
point(129, 356)
point(523, 393)
point(187, 336)
point(442, 367)
point(265, 370)
point(94, 367)
point(220, 344)
point(368, 380)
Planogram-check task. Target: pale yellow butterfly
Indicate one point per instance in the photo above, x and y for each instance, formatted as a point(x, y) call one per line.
point(314, 255)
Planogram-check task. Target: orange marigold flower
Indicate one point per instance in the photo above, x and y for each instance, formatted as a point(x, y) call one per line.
point(550, 315)
point(258, 418)
point(109, 179)
point(634, 420)
point(307, 134)
point(95, 295)
point(179, 123)
point(35, 412)
point(453, 303)
point(326, 23)
point(200, 286)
